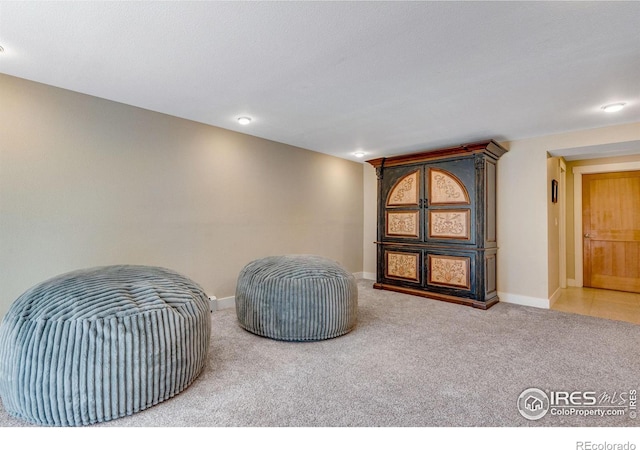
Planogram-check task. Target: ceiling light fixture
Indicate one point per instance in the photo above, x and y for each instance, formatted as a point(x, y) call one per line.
point(1, 49)
point(359, 154)
point(244, 120)
point(614, 107)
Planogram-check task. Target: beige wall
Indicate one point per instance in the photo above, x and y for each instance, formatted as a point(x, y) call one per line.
point(553, 226)
point(522, 224)
point(370, 217)
point(87, 182)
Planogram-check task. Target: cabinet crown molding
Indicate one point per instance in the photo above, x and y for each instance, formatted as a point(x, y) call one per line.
point(490, 147)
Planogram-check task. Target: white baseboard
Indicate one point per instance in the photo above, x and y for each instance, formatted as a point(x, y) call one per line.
point(230, 302)
point(224, 303)
point(572, 283)
point(554, 297)
point(365, 276)
point(524, 300)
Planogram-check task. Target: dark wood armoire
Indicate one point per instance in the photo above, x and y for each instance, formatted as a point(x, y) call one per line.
point(437, 223)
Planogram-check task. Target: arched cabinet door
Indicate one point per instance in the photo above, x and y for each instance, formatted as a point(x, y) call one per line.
point(402, 216)
point(445, 190)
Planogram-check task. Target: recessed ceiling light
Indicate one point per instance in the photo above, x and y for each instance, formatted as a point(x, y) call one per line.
point(614, 107)
point(359, 154)
point(244, 120)
point(1, 49)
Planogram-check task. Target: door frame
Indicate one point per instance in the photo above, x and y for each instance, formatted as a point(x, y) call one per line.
point(577, 209)
point(562, 237)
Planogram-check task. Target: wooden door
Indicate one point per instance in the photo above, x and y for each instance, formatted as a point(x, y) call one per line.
point(611, 230)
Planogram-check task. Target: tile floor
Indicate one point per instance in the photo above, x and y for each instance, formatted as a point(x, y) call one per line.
point(615, 305)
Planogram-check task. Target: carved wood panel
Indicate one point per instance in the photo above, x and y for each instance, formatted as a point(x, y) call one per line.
point(446, 189)
point(450, 223)
point(402, 265)
point(450, 271)
point(403, 224)
point(406, 191)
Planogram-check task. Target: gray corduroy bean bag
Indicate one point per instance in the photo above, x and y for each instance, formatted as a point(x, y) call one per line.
point(102, 343)
point(296, 298)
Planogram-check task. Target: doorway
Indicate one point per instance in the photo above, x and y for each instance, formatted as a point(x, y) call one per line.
point(578, 297)
point(611, 230)
point(578, 245)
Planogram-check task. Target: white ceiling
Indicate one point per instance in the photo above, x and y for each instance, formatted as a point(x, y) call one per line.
point(334, 77)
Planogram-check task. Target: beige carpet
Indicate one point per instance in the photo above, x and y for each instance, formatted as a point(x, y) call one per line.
point(410, 362)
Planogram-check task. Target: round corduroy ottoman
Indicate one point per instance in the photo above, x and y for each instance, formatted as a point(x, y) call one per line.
point(296, 298)
point(102, 343)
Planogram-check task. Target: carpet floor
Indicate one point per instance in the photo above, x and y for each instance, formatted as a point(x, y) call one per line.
point(410, 362)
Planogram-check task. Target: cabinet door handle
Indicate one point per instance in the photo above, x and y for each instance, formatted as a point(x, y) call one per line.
point(587, 235)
